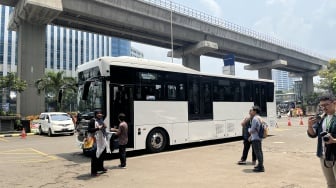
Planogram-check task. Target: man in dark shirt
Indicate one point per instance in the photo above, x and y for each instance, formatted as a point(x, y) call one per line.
point(246, 124)
point(122, 133)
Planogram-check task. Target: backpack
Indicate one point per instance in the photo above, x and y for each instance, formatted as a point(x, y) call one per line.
point(263, 129)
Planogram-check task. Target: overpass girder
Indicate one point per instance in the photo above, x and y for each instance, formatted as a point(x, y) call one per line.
point(198, 49)
point(269, 65)
point(35, 12)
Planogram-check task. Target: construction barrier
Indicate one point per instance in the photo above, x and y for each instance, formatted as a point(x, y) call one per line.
point(301, 122)
point(289, 123)
point(23, 133)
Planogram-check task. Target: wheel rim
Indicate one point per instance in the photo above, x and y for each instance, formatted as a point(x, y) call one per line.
point(157, 140)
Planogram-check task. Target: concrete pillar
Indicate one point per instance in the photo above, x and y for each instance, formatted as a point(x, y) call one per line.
point(31, 65)
point(307, 84)
point(192, 61)
point(265, 73)
point(229, 70)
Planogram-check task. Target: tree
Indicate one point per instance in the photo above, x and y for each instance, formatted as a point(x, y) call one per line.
point(11, 82)
point(328, 77)
point(52, 83)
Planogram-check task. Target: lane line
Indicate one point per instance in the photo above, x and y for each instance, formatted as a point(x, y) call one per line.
point(278, 142)
point(25, 155)
point(4, 140)
point(39, 152)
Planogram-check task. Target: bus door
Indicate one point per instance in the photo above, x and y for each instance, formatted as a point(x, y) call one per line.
point(200, 98)
point(260, 97)
point(122, 102)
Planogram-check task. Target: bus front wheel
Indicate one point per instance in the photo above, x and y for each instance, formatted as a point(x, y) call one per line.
point(156, 141)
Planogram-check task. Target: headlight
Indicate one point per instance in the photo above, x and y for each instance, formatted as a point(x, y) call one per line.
point(54, 124)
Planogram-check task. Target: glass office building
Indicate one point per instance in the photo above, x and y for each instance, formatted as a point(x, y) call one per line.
point(68, 48)
point(283, 81)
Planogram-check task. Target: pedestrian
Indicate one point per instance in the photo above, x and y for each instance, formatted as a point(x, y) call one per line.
point(96, 129)
point(324, 128)
point(122, 133)
point(74, 120)
point(255, 139)
point(246, 124)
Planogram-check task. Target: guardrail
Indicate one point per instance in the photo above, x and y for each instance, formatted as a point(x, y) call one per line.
point(181, 9)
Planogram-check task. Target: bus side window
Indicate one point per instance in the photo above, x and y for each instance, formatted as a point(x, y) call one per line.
point(149, 93)
point(181, 92)
point(138, 93)
point(158, 92)
point(171, 92)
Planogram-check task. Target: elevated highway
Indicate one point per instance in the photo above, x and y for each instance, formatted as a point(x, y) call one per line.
point(156, 22)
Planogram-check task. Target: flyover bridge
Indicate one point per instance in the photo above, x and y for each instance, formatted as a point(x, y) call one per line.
point(155, 22)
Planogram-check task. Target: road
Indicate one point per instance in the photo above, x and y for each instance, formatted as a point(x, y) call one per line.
point(41, 161)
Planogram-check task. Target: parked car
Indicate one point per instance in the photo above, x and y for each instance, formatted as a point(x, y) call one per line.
point(55, 123)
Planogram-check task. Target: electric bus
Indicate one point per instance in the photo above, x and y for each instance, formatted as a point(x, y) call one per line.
point(167, 103)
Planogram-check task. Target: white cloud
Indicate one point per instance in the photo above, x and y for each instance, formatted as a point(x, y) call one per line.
point(213, 7)
point(265, 26)
point(287, 25)
point(331, 23)
point(282, 2)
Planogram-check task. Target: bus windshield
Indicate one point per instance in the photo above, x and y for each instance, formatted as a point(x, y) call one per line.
point(94, 100)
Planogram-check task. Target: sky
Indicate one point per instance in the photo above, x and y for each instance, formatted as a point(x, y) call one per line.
point(308, 24)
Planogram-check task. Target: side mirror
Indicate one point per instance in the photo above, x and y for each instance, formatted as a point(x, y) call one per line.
point(79, 117)
point(86, 90)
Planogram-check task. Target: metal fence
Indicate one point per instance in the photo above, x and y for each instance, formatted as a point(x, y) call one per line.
point(178, 8)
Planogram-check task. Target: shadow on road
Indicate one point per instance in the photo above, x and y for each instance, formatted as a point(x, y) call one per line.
point(79, 157)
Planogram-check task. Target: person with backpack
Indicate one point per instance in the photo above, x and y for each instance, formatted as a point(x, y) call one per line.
point(255, 138)
point(324, 128)
point(246, 124)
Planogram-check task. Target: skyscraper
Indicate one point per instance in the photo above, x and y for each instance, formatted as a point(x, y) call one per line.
point(283, 82)
point(68, 48)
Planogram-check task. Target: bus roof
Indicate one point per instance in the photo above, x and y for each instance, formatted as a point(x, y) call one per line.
point(126, 61)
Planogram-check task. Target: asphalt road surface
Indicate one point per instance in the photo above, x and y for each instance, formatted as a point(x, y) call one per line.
point(41, 161)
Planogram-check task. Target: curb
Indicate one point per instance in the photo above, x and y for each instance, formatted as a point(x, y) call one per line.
point(16, 134)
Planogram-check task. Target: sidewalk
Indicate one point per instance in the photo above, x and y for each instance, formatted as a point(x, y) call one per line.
point(12, 134)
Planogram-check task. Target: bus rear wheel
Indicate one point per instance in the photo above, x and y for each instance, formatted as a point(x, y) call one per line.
point(156, 141)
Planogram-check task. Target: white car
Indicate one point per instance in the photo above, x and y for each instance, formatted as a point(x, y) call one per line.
point(55, 123)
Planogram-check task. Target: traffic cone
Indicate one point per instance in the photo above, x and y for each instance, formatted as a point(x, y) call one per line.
point(289, 122)
point(23, 133)
point(301, 122)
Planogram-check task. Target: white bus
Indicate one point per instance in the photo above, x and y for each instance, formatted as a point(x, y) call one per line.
point(168, 104)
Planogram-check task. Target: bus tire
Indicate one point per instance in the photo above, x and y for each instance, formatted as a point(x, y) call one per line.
point(156, 140)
